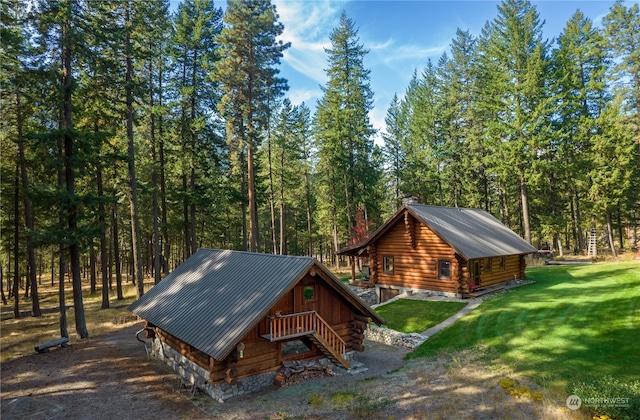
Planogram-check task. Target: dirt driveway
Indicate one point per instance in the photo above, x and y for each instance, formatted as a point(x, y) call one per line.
point(110, 377)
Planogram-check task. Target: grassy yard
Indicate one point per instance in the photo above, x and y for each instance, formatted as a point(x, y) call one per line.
point(576, 323)
point(415, 316)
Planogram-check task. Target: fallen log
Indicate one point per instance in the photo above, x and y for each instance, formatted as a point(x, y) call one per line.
point(44, 348)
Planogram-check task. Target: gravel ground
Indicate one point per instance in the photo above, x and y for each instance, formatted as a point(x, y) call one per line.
point(110, 377)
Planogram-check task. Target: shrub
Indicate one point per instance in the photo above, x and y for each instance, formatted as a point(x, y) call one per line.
point(519, 391)
point(608, 396)
point(316, 400)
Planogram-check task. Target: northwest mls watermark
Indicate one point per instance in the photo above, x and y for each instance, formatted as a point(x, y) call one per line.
point(574, 402)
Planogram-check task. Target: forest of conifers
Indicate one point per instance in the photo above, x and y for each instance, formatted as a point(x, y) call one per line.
point(132, 136)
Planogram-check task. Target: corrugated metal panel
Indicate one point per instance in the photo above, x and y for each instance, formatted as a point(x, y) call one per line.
point(472, 232)
point(215, 297)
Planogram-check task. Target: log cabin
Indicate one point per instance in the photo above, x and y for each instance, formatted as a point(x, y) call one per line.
point(443, 250)
point(232, 315)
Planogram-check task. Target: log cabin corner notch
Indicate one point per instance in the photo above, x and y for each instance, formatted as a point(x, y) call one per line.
point(445, 250)
point(236, 314)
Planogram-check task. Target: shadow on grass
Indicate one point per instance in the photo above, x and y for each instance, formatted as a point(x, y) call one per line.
point(573, 324)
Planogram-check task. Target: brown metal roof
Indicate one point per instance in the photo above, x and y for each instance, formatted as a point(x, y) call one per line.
point(473, 233)
point(216, 297)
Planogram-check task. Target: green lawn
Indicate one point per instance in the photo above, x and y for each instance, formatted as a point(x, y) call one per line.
point(576, 323)
point(409, 316)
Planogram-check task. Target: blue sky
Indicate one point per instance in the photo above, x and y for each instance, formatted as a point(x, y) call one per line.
point(400, 36)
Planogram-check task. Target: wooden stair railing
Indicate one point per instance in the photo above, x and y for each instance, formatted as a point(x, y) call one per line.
point(313, 325)
point(329, 342)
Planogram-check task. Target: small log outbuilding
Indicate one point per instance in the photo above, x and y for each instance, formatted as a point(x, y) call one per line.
point(449, 251)
point(239, 314)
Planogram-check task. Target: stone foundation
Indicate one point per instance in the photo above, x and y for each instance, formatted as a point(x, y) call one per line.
point(199, 377)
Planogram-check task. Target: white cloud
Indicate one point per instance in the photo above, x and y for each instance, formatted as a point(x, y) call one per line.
point(307, 25)
point(308, 96)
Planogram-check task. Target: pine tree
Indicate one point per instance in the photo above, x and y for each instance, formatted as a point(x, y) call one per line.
point(248, 77)
point(13, 82)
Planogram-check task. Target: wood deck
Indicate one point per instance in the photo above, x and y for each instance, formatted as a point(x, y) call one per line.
point(312, 325)
point(484, 291)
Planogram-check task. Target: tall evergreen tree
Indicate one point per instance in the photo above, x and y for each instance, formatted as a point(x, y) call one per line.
point(197, 24)
point(622, 29)
point(60, 37)
point(578, 66)
point(519, 63)
point(343, 130)
point(248, 76)
point(393, 136)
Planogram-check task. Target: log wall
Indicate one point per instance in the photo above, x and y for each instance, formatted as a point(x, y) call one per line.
point(497, 274)
point(416, 250)
point(261, 355)
point(415, 267)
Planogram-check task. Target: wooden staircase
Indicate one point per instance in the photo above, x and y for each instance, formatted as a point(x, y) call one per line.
point(313, 326)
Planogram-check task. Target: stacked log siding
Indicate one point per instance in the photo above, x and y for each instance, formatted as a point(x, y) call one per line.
point(307, 289)
point(417, 238)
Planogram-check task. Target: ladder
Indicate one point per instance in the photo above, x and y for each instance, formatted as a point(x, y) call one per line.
point(592, 249)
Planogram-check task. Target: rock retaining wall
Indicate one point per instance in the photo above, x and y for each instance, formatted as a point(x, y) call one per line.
point(393, 337)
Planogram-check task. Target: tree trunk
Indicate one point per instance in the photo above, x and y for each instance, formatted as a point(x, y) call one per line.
point(578, 222)
point(559, 244)
point(16, 245)
point(271, 195)
point(4, 298)
point(157, 246)
point(308, 205)
point(620, 234)
point(283, 225)
point(243, 205)
point(192, 177)
point(610, 234)
point(28, 214)
point(525, 208)
point(133, 189)
point(103, 240)
point(92, 269)
point(72, 210)
point(336, 245)
point(164, 246)
point(61, 253)
point(116, 251)
point(251, 187)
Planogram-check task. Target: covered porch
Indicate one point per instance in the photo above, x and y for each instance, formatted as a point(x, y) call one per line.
point(308, 324)
point(363, 261)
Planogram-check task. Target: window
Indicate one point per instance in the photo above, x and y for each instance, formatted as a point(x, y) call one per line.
point(501, 264)
point(308, 293)
point(486, 266)
point(388, 265)
point(444, 269)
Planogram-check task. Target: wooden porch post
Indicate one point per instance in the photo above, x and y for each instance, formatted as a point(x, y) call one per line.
point(353, 268)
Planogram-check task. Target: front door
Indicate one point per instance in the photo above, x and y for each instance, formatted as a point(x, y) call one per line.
point(476, 272)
